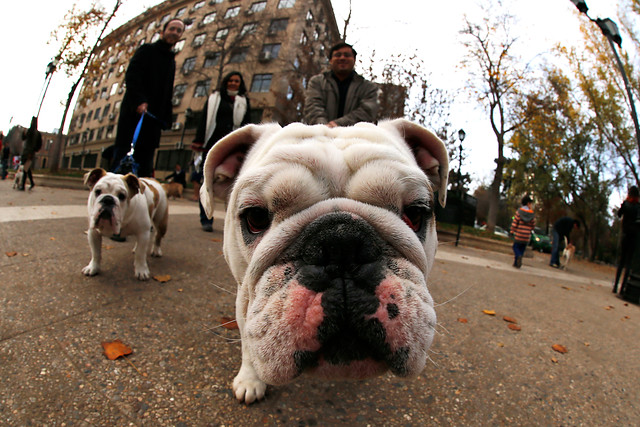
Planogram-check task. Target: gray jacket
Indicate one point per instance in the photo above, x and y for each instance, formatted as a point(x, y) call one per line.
point(321, 101)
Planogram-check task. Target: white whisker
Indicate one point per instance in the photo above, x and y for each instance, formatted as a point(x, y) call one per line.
point(222, 289)
point(432, 361)
point(448, 301)
point(206, 328)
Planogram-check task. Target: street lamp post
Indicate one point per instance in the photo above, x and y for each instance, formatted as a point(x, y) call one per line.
point(461, 135)
point(610, 31)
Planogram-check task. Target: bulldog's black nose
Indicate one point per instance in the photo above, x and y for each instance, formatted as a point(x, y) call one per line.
point(338, 248)
point(108, 201)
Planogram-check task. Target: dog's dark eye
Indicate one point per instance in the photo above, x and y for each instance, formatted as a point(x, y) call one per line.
point(122, 196)
point(98, 192)
point(415, 216)
point(256, 219)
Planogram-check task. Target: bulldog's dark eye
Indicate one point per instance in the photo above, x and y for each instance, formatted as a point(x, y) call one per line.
point(256, 219)
point(98, 192)
point(122, 197)
point(415, 216)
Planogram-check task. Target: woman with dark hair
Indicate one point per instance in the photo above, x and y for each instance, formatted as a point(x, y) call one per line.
point(226, 110)
point(32, 144)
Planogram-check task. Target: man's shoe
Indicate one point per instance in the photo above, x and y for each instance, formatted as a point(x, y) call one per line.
point(518, 262)
point(207, 227)
point(554, 265)
point(118, 238)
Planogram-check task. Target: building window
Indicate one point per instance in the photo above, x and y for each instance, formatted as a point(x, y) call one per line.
point(138, 32)
point(209, 18)
point(103, 93)
point(155, 37)
point(222, 34)
point(269, 51)
point(110, 131)
point(151, 26)
point(261, 83)
point(239, 55)
point(105, 111)
point(249, 29)
point(97, 115)
point(99, 133)
point(199, 40)
point(181, 12)
point(258, 7)
point(114, 89)
point(178, 93)
point(188, 65)
point(202, 88)
point(309, 17)
point(278, 25)
point(188, 23)
point(165, 19)
point(198, 5)
point(232, 12)
point(303, 38)
point(211, 59)
point(286, 4)
point(178, 46)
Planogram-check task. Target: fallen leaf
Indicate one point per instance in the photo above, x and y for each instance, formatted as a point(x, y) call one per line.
point(25, 254)
point(587, 344)
point(509, 319)
point(228, 323)
point(108, 247)
point(180, 290)
point(514, 327)
point(554, 360)
point(465, 257)
point(10, 254)
point(532, 285)
point(566, 287)
point(489, 312)
point(216, 240)
point(54, 213)
point(625, 318)
point(559, 348)
point(162, 279)
point(52, 238)
point(500, 344)
point(609, 307)
point(115, 349)
point(462, 320)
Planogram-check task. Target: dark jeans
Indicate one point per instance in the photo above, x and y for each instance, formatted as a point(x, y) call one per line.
point(519, 248)
point(556, 247)
point(203, 216)
point(627, 246)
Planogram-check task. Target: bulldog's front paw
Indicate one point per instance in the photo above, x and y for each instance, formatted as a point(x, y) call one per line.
point(247, 386)
point(143, 273)
point(91, 270)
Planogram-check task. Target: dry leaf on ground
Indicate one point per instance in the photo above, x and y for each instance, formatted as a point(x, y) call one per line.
point(489, 312)
point(162, 279)
point(115, 349)
point(462, 320)
point(609, 307)
point(216, 240)
point(514, 327)
point(509, 319)
point(10, 254)
point(228, 323)
point(559, 348)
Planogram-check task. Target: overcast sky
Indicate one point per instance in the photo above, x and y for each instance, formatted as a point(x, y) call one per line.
point(428, 27)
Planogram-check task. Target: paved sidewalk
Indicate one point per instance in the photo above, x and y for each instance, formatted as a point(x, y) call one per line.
point(53, 320)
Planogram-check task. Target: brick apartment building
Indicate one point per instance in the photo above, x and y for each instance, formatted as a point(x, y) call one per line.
point(276, 45)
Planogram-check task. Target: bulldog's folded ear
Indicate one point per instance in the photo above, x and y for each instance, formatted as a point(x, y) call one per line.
point(132, 183)
point(90, 178)
point(224, 161)
point(428, 150)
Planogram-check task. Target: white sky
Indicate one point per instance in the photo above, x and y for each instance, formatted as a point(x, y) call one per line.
point(428, 27)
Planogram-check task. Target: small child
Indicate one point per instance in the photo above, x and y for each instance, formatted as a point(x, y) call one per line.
point(521, 228)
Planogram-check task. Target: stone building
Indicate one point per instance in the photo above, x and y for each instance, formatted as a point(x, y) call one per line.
point(276, 45)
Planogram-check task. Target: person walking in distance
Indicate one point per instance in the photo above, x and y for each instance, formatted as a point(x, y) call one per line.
point(521, 227)
point(630, 214)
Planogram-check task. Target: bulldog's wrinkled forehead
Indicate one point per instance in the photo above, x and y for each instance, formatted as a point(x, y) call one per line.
point(300, 165)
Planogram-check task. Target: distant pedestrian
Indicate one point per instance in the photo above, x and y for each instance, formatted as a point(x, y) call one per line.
point(630, 214)
point(178, 176)
point(149, 83)
point(226, 110)
point(562, 229)
point(6, 153)
point(32, 144)
point(521, 228)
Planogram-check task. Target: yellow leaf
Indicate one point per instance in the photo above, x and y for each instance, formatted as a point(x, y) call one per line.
point(162, 279)
point(489, 312)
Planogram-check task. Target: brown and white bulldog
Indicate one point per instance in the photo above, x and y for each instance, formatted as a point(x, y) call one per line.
point(330, 234)
point(126, 205)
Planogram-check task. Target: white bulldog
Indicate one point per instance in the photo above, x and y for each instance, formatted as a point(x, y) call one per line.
point(126, 205)
point(330, 234)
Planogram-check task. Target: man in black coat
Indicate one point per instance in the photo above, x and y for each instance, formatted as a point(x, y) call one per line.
point(561, 228)
point(149, 81)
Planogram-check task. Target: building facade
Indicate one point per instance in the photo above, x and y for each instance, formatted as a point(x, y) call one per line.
point(276, 45)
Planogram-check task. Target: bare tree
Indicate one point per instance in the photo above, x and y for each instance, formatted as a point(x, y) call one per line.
point(497, 78)
point(75, 51)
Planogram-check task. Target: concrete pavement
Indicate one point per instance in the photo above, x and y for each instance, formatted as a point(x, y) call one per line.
point(53, 320)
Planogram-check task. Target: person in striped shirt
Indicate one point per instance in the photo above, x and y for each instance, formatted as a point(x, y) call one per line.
point(521, 228)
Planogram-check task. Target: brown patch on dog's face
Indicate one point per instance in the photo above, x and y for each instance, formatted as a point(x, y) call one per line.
point(91, 178)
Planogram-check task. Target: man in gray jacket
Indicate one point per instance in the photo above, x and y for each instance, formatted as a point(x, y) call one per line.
point(340, 97)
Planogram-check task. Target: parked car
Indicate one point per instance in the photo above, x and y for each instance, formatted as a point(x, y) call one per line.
point(540, 241)
point(499, 231)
